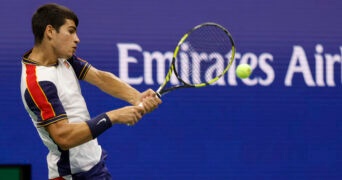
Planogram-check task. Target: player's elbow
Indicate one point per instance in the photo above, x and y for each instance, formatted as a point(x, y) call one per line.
point(63, 143)
point(60, 132)
point(66, 135)
point(63, 140)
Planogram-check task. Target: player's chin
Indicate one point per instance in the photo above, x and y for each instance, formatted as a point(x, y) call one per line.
point(69, 55)
point(66, 56)
point(72, 53)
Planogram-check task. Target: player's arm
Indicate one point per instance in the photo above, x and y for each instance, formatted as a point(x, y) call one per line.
point(114, 86)
point(43, 100)
point(68, 135)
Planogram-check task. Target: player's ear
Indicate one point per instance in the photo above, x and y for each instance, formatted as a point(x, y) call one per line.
point(49, 30)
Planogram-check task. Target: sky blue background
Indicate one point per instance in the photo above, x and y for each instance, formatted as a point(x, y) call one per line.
point(220, 132)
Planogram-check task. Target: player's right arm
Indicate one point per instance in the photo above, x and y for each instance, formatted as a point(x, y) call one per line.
point(43, 101)
point(68, 135)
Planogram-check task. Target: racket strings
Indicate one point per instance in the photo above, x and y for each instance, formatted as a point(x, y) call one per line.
point(203, 55)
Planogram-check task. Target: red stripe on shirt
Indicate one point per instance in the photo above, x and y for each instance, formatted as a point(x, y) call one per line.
point(37, 93)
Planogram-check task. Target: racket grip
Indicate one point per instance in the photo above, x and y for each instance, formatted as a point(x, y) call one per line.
point(158, 94)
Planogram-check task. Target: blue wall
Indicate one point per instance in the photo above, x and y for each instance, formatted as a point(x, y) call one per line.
point(282, 123)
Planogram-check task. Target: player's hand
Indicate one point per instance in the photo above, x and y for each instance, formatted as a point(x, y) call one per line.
point(147, 93)
point(128, 115)
point(149, 101)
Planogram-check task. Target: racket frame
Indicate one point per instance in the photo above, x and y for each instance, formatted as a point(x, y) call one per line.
point(161, 91)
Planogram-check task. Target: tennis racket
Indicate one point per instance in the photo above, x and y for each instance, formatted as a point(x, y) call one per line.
point(202, 56)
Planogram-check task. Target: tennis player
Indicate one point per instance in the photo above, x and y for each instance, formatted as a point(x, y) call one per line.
point(52, 97)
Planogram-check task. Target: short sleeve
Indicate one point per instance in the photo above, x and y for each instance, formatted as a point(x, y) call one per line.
point(42, 99)
point(80, 66)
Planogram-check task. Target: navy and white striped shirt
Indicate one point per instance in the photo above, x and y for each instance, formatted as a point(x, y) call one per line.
point(52, 93)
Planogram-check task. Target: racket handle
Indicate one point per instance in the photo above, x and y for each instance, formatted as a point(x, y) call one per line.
point(158, 94)
point(158, 91)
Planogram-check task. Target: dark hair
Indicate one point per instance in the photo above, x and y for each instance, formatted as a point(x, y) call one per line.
point(50, 14)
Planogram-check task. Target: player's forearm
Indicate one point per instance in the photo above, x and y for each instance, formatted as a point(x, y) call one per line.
point(78, 135)
point(68, 135)
point(116, 87)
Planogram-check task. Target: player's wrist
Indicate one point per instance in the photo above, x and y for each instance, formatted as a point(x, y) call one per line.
point(99, 124)
point(134, 98)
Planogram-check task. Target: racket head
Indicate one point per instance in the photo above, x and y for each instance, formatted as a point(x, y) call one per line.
point(202, 56)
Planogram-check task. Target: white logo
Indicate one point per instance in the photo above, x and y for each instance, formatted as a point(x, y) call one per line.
point(315, 70)
point(102, 120)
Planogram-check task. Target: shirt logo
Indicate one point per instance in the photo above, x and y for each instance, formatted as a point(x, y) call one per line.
point(66, 64)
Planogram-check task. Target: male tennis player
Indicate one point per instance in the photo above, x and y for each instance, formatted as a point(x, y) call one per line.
point(51, 95)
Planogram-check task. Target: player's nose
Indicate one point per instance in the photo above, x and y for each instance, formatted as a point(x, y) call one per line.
point(77, 39)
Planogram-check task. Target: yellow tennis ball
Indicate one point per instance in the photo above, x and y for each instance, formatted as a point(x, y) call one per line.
point(243, 71)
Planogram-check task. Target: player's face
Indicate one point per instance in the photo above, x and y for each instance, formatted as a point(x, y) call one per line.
point(66, 40)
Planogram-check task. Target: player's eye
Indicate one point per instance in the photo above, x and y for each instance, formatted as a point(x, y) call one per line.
point(72, 30)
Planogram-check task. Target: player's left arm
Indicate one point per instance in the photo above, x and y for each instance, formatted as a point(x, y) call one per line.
point(114, 86)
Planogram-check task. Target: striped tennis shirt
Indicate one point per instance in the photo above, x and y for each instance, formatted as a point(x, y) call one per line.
point(52, 93)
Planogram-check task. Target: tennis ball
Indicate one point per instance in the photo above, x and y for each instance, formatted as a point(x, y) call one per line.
point(243, 71)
